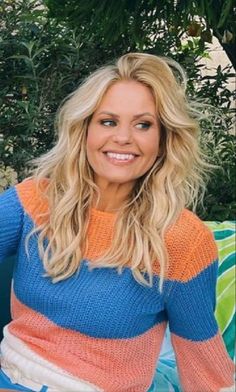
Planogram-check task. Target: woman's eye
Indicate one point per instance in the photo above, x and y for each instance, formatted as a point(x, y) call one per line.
point(108, 123)
point(143, 125)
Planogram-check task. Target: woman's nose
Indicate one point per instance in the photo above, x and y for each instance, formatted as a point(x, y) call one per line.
point(122, 135)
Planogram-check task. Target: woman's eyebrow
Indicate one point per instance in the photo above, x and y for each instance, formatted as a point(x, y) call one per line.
point(135, 116)
point(144, 114)
point(109, 113)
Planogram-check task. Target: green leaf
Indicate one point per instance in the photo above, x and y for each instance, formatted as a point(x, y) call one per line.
point(227, 9)
point(29, 46)
point(20, 57)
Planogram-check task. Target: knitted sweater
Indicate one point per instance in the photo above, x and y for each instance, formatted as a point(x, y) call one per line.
point(102, 329)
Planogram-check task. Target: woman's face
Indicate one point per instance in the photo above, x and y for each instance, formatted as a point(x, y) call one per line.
point(123, 135)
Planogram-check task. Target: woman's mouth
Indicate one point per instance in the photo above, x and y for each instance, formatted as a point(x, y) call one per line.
point(120, 157)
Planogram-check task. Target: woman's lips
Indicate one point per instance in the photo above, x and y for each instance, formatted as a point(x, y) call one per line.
point(120, 158)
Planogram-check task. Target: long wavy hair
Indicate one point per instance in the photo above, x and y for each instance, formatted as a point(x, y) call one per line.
point(157, 198)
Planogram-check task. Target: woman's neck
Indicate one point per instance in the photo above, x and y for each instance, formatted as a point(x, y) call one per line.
point(112, 198)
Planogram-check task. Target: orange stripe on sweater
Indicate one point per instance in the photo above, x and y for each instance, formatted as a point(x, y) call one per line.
point(191, 248)
point(33, 200)
point(88, 358)
point(185, 259)
point(203, 366)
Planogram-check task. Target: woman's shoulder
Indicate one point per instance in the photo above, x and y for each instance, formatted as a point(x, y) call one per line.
point(31, 193)
point(188, 219)
point(190, 245)
point(32, 190)
point(188, 227)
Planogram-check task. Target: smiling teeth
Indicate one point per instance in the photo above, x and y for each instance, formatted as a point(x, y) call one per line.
point(121, 157)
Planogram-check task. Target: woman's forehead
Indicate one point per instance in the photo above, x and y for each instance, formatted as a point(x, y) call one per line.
point(128, 96)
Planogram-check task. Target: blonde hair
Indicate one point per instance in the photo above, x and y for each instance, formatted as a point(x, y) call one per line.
point(158, 197)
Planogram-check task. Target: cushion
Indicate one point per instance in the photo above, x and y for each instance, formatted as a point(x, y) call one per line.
point(224, 234)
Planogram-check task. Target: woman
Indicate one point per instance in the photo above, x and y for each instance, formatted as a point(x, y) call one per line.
point(107, 253)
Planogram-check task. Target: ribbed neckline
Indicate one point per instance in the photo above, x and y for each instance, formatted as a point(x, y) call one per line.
point(103, 214)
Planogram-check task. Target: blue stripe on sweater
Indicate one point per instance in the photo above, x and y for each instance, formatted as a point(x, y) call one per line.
point(191, 308)
point(99, 302)
point(11, 217)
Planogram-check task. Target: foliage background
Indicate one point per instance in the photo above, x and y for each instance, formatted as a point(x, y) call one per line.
point(44, 57)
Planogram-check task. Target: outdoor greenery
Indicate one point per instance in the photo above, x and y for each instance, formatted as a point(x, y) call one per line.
point(44, 57)
point(142, 19)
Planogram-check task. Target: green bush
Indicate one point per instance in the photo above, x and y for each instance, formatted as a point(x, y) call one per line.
point(41, 63)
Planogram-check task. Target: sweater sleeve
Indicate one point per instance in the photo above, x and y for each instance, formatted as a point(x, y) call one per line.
point(202, 360)
point(11, 218)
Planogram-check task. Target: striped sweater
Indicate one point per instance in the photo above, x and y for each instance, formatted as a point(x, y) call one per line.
point(102, 331)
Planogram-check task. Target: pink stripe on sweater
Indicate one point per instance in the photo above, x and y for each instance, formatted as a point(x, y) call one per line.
point(88, 358)
point(203, 366)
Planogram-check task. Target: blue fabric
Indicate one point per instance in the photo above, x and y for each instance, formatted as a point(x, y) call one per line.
point(6, 383)
point(192, 305)
point(11, 213)
point(128, 308)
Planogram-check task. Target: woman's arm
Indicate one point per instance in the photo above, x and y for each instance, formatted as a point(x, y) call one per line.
point(202, 359)
point(11, 218)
